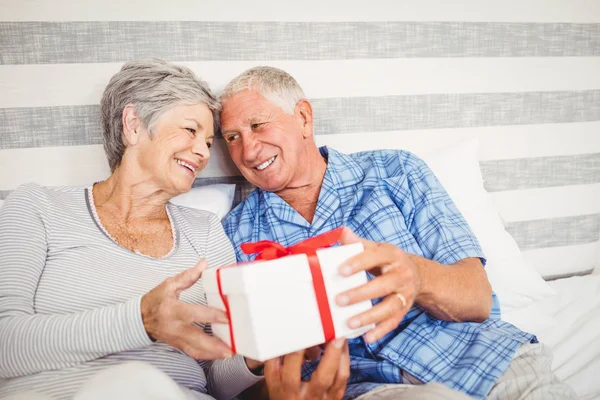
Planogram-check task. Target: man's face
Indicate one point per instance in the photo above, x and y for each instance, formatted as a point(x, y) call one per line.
point(265, 143)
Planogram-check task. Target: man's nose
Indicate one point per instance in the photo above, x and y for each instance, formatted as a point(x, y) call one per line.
point(251, 148)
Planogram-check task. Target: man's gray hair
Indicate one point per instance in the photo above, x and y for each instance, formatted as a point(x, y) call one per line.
point(152, 86)
point(276, 85)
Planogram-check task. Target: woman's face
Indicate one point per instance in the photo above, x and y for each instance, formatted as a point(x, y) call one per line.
point(179, 148)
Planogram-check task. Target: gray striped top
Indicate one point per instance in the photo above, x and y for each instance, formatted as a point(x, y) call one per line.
point(70, 297)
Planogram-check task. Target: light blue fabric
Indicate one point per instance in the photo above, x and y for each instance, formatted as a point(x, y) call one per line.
point(392, 196)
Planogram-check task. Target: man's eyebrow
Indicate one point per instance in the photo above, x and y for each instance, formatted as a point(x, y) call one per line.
point(261, 117)
point(226, 131)
point(250, 120)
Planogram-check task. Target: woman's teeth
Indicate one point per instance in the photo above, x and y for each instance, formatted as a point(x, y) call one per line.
point(183, 163)
point(265, 164)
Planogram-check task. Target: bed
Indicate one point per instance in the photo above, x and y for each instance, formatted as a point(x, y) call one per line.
point(521, 78)
point(571, 326)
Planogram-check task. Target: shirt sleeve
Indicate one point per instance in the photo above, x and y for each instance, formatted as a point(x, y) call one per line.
point(219, 249)
point(228, 378)
point(433, 219)
point(31, 342)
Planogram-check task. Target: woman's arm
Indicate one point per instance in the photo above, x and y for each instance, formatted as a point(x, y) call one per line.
point(228, 378)
point(30, 342)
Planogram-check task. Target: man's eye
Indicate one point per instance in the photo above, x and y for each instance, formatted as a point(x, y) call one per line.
point(192, 131)
point(257, 125)
point(231, 138)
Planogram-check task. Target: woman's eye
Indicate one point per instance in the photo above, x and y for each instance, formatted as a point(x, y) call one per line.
point(191, 130)
point(208, 144)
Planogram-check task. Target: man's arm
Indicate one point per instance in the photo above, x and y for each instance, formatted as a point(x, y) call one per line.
point(457, 292)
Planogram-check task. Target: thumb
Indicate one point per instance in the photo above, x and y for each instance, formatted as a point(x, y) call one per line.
point(190, 276)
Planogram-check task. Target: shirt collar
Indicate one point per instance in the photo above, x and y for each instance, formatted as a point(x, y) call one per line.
point(342, 171)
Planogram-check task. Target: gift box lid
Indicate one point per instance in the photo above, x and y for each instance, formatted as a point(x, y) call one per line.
point(260, 275)
point(281, 273)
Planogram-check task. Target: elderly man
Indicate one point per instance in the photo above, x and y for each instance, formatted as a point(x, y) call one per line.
point(437, 320)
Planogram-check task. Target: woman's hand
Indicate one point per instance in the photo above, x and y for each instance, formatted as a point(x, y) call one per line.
point(171, 321)
point(328, 382)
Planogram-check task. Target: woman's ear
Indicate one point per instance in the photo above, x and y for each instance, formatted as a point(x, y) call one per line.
point(304, 112)
point(131, 125)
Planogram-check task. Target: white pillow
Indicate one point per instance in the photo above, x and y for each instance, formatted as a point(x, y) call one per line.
point(214, 198)
point(515, 282)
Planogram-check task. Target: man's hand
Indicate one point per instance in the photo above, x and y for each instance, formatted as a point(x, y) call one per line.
point(328, 381)
point(171, 321)
point(397, 279)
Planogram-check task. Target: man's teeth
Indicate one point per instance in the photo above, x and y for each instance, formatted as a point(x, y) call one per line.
point(265, 164)
point(185, 165)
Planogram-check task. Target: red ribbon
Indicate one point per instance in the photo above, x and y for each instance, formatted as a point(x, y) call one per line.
point(269, 250)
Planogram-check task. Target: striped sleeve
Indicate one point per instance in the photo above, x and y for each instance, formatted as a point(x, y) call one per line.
point(30, 342)
point(228, 378)
point(219, 249)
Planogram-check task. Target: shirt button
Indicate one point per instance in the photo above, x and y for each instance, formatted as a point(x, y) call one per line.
point(394, 356)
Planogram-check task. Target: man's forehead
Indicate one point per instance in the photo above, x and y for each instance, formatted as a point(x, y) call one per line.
point(247, 112)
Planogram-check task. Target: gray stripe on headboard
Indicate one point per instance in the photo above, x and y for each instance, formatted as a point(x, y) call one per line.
point(49, 126)
point(540, 172)
point(554, 232)
point(568, 275)
point(80, 125)
point(4, 194)
point(38, 42)
point(461, 110)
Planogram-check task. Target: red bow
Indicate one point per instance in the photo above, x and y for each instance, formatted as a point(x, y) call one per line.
point(269, 250)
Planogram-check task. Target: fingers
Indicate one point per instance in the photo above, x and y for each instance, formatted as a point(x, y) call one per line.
point(291, 375)
point(390, 307)
point(199, 313)
point(202, 346)
point(337, 389)
point(375, 288)
point(272, 373)
point(188, 277)
point(325, 374)
point(374, 255)
point(382, 329)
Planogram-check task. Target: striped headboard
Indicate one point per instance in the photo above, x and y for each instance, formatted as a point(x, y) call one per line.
point(522, 76)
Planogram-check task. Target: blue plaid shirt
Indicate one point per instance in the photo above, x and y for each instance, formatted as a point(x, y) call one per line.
point(392, 196)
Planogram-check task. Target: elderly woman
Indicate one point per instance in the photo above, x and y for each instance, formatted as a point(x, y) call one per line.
point(92, 278)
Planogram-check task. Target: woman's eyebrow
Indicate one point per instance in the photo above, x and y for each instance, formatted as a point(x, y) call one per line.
point(198, 124)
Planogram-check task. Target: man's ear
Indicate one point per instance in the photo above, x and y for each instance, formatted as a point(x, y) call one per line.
point(305, 115)
point(131, 125)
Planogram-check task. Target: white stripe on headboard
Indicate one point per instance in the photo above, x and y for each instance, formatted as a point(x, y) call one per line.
point(307, 10)
point(81, 84)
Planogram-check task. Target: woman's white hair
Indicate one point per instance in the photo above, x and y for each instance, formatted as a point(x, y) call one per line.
point(276, 85)
point(152, 86)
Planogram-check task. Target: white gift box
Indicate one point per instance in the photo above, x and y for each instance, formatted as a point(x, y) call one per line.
point(273, 307)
